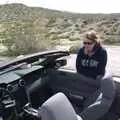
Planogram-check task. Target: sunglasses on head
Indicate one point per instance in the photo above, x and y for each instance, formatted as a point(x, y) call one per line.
point(87, 43)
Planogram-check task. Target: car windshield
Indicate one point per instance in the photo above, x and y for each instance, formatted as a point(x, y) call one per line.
point(28, 27)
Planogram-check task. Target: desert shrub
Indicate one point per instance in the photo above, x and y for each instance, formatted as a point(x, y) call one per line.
point(22, 37)
point(51, 20)
point(28, 46)
point(74, 49)
point(112, 39)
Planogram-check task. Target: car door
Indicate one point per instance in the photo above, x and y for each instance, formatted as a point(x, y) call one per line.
point(74, 85)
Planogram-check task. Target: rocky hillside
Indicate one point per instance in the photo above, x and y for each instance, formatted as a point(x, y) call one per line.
point(28, 29)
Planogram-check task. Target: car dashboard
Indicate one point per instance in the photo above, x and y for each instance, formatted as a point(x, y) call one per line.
point(18, 84)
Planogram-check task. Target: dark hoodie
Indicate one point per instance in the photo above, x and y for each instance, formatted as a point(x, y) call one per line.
point(91, 66)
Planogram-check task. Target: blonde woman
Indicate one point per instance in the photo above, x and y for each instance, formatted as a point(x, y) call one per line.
point(92, 57)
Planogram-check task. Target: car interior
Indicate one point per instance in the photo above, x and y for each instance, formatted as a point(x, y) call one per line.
point(60, 93)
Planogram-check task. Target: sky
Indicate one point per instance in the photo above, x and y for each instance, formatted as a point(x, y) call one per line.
point(78, 6)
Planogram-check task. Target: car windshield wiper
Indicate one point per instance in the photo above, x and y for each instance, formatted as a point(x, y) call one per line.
point(32, 58)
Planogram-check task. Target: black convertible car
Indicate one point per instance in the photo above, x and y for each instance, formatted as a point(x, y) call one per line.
point(38, 87)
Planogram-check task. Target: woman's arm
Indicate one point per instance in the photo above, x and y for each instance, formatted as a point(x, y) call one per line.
point(78, 61)
point(102, 63)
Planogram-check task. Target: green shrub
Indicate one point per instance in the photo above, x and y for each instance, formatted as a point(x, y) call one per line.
point(74, 49)
point(112, 39)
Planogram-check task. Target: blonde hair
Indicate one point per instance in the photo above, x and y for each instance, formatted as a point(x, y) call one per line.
point(92, 35)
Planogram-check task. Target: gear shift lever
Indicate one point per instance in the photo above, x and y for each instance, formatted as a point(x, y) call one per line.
point(30, 110)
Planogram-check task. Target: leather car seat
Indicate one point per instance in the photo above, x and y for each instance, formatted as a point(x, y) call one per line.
point(57, 107)
point(103, 102)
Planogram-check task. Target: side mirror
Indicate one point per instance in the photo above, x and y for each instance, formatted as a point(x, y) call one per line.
point(60, 63)
point(51, 63)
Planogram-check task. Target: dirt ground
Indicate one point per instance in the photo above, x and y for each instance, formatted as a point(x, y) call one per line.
point(114, 59)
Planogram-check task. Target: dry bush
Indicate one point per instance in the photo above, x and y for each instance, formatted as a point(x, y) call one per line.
point(74, 49)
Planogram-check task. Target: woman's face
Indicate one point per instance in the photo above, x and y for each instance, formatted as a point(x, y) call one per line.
point(88, 44)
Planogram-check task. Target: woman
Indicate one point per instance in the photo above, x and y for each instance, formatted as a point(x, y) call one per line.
point(92, 57)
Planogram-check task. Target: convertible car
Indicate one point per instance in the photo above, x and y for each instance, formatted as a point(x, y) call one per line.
point(38, 87)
